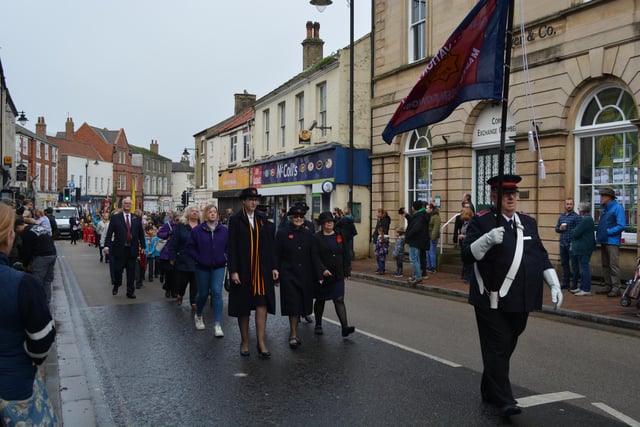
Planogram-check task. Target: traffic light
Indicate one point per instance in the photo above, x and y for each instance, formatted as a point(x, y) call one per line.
point(66, 194)
point(185, 198)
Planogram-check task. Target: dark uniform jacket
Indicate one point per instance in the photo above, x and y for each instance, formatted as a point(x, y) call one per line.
point(241, 296)
point(297, 263)
point(525, 294)
point(36, 241)
point(183, 261)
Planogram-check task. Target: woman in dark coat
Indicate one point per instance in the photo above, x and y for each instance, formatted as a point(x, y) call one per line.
point(181, 260)
point(335, 265)
point(252, 270)
point(296, 262)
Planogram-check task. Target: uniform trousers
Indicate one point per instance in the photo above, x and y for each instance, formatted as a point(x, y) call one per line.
point(498, 332)
point(129, 264)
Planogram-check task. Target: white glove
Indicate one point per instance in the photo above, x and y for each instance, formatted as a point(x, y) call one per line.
point(481, 246)
point(551, 277)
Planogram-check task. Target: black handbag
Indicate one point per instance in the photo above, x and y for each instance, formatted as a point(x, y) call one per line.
point(227, 280)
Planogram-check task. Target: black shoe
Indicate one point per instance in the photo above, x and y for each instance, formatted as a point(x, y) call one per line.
point(161, 279)
point(614, 293)
point(348, 330)
point(294, 342)
point(318, 330)
point(264, 354)
point(308, 319)
point(245, 353)
point(131, 296)
point(114, 291)
point(167, 294)
point(509, 410)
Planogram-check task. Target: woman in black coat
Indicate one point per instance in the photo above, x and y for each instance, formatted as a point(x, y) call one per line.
point(335, 264)
point(296, 262)
point(252, 270)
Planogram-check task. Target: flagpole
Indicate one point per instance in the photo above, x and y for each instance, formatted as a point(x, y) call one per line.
point(494, 286)
point(505, 108)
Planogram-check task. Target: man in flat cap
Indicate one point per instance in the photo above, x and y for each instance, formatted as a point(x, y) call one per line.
point(608, 234)
point(510, 264)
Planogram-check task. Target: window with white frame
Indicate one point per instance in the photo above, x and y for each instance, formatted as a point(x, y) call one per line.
point(46, 151)
point(37, 150)
point(95, 185)
point(265, 119)
point(246, 146)
point(203, 175)
point(55, 154)
point(417, 29)
point(300, 110)
point(101, 185)
point(164, 185)
point(282, 120)
point(45, 184)
point(322, 108)
point(418, 167)
point(54, 177)
point(607, 151)
point(37, 177)
point(25, 145)
point(233, 149)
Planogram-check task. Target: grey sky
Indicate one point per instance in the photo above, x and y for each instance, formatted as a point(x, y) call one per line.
point(160, 69)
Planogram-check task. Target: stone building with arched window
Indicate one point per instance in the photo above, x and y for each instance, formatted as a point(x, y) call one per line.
point(577, 86)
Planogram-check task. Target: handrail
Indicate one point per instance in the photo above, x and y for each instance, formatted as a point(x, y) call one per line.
point(443, 227)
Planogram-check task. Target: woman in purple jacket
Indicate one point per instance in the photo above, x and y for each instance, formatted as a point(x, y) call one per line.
point(207, 245)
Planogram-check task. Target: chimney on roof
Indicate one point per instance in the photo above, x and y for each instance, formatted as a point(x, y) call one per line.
point(154, 146)
point(41, 127)
point(312, 46)
point(69, 129)
point(243, 100)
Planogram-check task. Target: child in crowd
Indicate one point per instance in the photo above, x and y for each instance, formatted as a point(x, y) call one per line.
point(398, 251)
point(150, 235)
point(382, 249)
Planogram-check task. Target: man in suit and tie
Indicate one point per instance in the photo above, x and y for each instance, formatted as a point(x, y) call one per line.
point(125, 236)
point(510, 264)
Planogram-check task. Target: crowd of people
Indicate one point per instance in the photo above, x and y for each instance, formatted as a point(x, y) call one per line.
point(193, 254)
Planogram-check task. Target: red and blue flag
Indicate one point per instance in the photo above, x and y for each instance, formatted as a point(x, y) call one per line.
point(470, 66)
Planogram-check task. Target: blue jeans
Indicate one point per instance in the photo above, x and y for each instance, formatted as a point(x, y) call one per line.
point(414, 258)
point(432, 255)
point(210, 280)
point(585, 271)
point(569, 264)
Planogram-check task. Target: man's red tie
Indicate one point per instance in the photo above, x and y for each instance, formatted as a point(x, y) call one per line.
point(128, 230)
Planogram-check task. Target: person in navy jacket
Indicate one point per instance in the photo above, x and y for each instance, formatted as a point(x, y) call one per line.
point(207, 245)
point(125, 236)
point(510, 264)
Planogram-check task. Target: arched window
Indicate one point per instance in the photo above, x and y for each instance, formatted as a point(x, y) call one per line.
point(607, 150)
point(418, 158)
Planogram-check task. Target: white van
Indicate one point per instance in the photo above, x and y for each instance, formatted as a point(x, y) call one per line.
point(62, 215)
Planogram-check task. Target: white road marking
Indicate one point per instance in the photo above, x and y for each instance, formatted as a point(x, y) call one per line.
point(402, 346)
point(542, 399)
point(616, 414)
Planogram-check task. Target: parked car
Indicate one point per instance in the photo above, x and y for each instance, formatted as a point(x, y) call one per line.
point(62, 215)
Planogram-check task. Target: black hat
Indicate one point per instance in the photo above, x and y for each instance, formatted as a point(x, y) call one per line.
point(325, 217)
point(302, 204)
point(508, 183)
point(608, 191)
point(297, 210)
point(249, 192)
point(48, 210)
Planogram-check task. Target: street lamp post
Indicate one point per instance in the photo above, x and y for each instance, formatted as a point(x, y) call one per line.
point(321, 5)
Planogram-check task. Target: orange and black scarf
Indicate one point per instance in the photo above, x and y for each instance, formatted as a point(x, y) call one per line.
point(257, 281)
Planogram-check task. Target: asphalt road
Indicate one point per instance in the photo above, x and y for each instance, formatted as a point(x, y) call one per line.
point(415, 360)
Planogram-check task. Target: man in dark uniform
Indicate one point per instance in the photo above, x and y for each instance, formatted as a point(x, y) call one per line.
point(510, 264)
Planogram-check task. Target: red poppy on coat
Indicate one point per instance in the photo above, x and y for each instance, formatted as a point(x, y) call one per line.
point(290, 236)
point(339, 238)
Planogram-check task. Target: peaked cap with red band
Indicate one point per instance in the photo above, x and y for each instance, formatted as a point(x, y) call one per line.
point(509, 183)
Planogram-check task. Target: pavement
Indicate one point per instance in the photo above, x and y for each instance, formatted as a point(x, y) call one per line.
point(596, 308)
point(71, 383)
